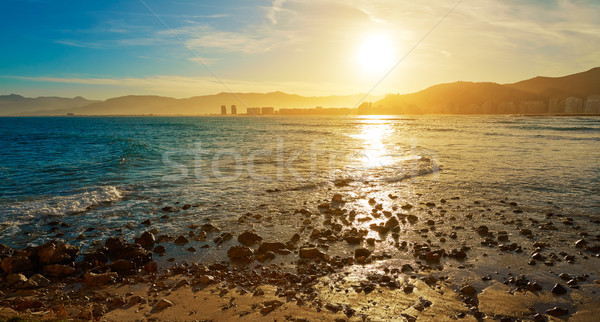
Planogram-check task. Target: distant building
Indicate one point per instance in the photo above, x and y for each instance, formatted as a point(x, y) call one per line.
point(233, 110)
point(532, 107)
point(253, 111)
point(267, 110)
point(554, 106)
point(573, 105)
point(223, 110)
point(592, 105)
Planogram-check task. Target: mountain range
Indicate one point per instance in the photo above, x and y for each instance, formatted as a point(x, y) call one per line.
point(16, 105)
point(461, 97)
point(470, 97)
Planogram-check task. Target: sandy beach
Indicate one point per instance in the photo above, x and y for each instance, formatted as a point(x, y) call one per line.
point(443, 259)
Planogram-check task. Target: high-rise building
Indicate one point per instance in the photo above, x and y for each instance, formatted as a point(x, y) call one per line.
point(573, 105)
point(253, 111)
point(223, 110)
point(267, 110)
point(233, 110)
point(592, 104)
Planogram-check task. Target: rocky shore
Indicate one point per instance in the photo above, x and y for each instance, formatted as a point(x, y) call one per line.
point(447, 259)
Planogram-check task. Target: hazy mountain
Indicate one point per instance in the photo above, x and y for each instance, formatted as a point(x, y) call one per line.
point(453, 97)
point(469, 97)
point(135, 105)
point(578, 85)
point(16, 104)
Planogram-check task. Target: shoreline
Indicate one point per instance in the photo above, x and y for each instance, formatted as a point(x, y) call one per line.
point(418, 261)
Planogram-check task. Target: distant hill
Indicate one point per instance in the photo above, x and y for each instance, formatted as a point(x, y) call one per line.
point(16, 104)
point(208, 104)
point(469, 97)
point(578, 85)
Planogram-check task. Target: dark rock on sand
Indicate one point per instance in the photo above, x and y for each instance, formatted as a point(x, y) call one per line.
point(16, 264)
point(146, 240)
point(181, 240)
point(310, 253)
point(240, 253)
point(361, 252)
point(161, 250)
point(558, 289)
point(248, 238)
point(92, 279)
point(273, 247)
point(58, 270)
point(557, 311)
point(56, 253)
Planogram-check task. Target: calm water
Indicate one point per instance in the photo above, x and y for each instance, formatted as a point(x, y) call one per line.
point(111, 173)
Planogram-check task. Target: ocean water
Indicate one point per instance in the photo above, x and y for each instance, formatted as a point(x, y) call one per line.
point(103, 176)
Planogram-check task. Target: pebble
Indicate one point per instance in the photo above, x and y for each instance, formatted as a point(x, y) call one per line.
point(162, 304)
point(558, 289)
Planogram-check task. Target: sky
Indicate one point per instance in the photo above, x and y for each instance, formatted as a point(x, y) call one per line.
point(184, 48)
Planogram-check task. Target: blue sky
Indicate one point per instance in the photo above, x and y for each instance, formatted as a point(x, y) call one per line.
point(101, 49)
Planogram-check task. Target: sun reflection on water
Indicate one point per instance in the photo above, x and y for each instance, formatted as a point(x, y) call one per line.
point(373, 134)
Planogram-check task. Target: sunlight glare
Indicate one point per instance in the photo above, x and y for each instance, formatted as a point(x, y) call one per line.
point(376, 54)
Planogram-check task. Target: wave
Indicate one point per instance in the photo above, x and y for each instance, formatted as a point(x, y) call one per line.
point(65, 205)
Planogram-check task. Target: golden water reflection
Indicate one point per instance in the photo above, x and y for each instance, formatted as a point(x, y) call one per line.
point(374, 135)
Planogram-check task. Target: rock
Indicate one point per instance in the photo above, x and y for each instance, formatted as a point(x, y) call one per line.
point(482, 230)
point(272, 247)
point(559, 289)
point(123, 266)
point(557, 311)
point(15, 279)
point(56, 253)
point(361, 252)
point(295, 238)
point(526, 232)
point(160, 249)
point(223, 238)
point(132, 252)
point(310, 253)
point(269, 306)
point(181, 240)
point(372, 201)
point(162, 304)
point(151, 267)
point(208, 228)
point(580, 243)
point(16, 264)
point(468, 290)
point(92, 279)
point(240, 253)
point(337, 198)
point(58, 270)
point(248, 238)
point(565, 276)
point(206, 279)
point(114, 243)
point(40, 280)
point(146, 240)
point(406, 268)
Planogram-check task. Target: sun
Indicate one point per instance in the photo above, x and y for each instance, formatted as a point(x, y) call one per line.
point(375, 54)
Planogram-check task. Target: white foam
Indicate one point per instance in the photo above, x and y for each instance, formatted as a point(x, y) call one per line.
point(64, 205)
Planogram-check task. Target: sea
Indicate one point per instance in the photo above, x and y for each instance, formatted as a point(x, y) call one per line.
point(83, 179)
